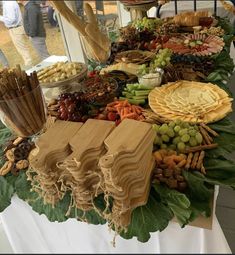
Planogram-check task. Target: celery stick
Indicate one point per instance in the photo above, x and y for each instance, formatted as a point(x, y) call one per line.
point(143, 87)
point(136, 102)
point(132, 86)
point(142, 92)
point(133, 101)
point(126, 94)
point(139, 97)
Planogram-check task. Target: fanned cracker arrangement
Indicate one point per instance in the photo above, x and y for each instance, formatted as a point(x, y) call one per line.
point(190, 101)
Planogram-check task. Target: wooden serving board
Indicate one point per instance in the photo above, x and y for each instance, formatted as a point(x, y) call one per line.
point(54, 141)
point(90, 137)
point(127, 136)
point(126, 167)
point(111, 159)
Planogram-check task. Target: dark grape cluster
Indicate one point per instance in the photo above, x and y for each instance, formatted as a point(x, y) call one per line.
point(72, 107)
point(185, 59)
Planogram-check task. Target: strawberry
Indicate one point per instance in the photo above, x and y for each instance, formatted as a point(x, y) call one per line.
point(112, 116)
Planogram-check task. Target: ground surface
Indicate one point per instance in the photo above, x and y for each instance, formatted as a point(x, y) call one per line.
point(54, 40)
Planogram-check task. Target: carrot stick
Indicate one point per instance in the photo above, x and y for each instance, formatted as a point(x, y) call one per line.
point(122, 113)
point(126, 103)
point(130, 115)
point(138, 109)
point(112, 104)
point(110, 109)
point(126, 110)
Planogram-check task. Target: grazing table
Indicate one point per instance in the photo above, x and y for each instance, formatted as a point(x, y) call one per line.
point(29, 232)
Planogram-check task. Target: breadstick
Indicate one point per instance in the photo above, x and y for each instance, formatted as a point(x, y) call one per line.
point(205, 135)
point(200, 160)
point(189, 160)
point(203, 170)
point(202, 147)
point(209, 129)
point(195, 159)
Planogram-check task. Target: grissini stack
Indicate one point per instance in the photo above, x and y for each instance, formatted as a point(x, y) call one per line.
point(97, 43)
point(22, 102)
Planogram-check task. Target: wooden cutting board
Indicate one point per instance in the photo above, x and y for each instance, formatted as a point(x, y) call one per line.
point(54, 141)
point(127, 136)
point(110, 160)
point(90, 137)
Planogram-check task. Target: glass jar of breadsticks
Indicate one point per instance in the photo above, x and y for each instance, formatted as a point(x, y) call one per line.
point(22, 105)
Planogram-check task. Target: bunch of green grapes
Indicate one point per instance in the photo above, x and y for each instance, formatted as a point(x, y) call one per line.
point(177, 135)
point(147, 23)
point(162, 59)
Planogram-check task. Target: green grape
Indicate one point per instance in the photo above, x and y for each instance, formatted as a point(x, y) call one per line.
point(192, 132)
point(163, 129)
point(178, 122)
point(168, 59)
point(177, 128)
point(185, 125)
point(192, 141)
point(172, 147)
point(199, 138)
point(163, 146)
point(171, 124)
point(183, 132)
point(191, 128)
point(176, 140)
point(165, 138)
point(181, 146)
point(185, 138)
point(170, 132)
point(155, 127)
point(196, 127)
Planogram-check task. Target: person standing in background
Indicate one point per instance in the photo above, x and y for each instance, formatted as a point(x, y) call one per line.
point(3, 59)
point(34, 27)
point(12, 19)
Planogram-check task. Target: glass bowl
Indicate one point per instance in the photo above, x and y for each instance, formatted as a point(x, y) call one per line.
point(153, 79)
point(25, 115)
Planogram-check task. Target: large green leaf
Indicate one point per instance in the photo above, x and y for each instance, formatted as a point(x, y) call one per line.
point(226, 25)
point(220, 171)
point(23, 190)
point(92, 216)
point(152, 217)
point(225, 125)
point(226, 142)
point(177, 201)
point(6, 193)
point(197, 187)
point(223, 67)
point(5, 135)
point(199, 193)
point(58, 213)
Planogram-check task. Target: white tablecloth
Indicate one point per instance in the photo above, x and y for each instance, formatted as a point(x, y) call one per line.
point(30, 233)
